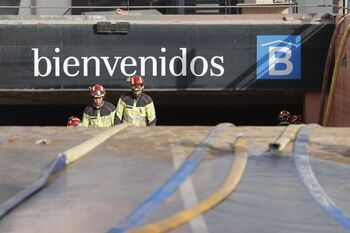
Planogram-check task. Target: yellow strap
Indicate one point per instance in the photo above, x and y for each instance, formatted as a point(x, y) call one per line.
point(287, 136)
point(238, 166)
point(80, 150)
point(338, 61)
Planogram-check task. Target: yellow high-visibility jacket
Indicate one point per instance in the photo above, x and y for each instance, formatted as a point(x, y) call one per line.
point(99, 117)
point(138, 111)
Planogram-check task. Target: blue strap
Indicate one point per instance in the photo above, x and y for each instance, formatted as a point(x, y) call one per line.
point(170, 186)
point(14, 201)
point(309, 180)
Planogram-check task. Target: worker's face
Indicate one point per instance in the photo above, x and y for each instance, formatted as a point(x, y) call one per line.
point(137, 89)
point(98, 101)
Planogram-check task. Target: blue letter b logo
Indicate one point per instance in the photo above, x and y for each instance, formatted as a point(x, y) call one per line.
point(278, 57)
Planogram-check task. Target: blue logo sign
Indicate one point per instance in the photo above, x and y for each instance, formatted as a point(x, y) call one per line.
point(278, 57)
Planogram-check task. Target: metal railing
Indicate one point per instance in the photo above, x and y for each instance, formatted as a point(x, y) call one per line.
point(292, 5)
point(174, 7)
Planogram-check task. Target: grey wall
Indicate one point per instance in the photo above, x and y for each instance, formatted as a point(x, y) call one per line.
point(315, 9)
point(65, 4)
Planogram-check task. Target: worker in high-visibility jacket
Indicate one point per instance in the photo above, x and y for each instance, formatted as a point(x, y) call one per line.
point(99, 113)
point(136, 107)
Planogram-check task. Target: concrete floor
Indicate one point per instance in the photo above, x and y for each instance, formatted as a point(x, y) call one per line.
point(97, 191)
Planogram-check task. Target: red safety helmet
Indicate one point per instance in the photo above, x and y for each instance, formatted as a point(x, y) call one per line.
point(97, 91)
point(296, 119)
point(136, 82)
point(73, 121)
point(283, 116)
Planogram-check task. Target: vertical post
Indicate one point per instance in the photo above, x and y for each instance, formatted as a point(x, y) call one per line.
point(32, 9)
point(181, 10)
point(24, 7)
point(69, 10)
point(340, 6)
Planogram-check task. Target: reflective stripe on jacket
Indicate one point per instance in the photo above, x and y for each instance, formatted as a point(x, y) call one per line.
point(138, 111)
point(99, 117)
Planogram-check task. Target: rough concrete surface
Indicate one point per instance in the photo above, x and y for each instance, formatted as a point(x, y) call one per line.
point(95, 192)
